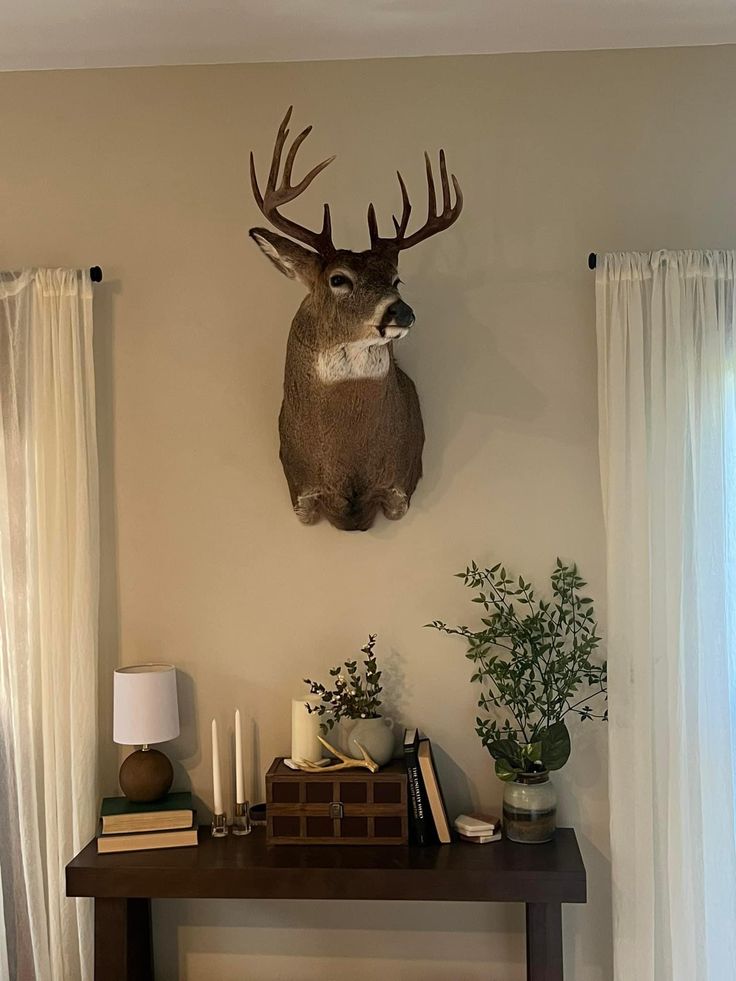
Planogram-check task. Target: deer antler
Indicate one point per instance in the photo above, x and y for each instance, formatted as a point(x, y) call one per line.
point(347, 762)
point(277, 196)
point(434, 223)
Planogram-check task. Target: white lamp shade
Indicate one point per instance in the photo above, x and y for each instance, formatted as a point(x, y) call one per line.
point(145, 707)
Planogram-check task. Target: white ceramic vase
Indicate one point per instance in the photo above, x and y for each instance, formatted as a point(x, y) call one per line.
point(374, 735)
point(339, 734)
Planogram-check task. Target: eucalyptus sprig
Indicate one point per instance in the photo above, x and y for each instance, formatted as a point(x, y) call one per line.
point(353, 696)
point(533, 660)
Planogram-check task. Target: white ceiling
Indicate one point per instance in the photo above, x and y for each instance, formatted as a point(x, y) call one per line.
point(96, 33)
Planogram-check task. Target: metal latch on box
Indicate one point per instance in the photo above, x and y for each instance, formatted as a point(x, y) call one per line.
point(336, 809)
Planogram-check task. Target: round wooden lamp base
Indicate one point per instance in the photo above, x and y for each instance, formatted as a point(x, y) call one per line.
point(146, 775)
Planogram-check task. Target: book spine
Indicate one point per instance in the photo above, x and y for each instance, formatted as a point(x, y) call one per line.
point(442, 825)
point(418, 804)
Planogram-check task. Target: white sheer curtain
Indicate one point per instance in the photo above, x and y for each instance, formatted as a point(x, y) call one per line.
point(667, 358)
point(48, 619)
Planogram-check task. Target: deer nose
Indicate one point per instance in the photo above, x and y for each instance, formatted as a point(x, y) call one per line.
point(401, 314)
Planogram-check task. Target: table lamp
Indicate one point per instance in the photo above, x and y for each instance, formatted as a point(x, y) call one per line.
point(145, 711)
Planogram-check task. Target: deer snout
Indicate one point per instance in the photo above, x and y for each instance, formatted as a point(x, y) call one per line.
point(399, 314)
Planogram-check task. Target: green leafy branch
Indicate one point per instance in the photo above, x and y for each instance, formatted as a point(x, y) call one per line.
point(534, 661)
point(354, 696)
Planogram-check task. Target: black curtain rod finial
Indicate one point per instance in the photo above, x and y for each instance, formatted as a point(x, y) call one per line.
point(592, 260)
point(95, 274)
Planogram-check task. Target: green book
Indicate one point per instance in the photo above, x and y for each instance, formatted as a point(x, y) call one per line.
point(120, 815)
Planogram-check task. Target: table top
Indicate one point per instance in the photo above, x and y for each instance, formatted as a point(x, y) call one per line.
point(247, 868)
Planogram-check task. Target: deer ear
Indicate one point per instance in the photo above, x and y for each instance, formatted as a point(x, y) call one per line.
point(289, 258)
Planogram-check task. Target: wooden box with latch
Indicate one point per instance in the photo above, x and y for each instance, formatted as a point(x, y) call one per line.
point(347, 807)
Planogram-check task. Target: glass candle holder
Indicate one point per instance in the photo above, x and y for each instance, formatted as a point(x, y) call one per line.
point(241, 819)
point(219, 825)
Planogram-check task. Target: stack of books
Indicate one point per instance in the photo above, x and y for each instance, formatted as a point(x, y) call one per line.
point(129, 827)
point(427, 811)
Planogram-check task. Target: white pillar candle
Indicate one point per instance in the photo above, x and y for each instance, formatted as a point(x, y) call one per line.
point(216, 784)
point(239, 791)
point(305, 732)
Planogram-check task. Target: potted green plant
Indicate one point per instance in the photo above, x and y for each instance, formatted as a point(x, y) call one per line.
point(534, 662)
point(353, 704)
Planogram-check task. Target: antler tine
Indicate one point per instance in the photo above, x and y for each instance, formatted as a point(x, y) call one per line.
point(254, 183)
point(436, 221)
point(458, 196)
point(304, 183)
point(373, 226)
point(277, 194)
point(363, 752)
point(327, 224)
point(431, 193)
point(291, 155)
point(446, 203)
point(405, 208)
point(278, 148)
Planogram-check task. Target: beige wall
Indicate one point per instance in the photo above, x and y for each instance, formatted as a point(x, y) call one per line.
point(145, 172)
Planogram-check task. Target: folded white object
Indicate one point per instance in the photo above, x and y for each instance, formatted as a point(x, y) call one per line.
point(477, 825)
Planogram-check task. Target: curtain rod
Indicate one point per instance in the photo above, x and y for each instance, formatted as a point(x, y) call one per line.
point(592, 261)
point(95, 274)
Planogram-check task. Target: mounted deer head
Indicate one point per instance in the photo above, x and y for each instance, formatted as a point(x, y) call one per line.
point(350, 424)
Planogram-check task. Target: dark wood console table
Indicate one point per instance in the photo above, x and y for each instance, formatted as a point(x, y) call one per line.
point(541, 876)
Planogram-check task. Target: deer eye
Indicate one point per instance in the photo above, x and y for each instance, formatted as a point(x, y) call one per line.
point(339, 280)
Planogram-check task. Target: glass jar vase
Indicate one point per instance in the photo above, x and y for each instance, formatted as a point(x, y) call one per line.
point(530, 808)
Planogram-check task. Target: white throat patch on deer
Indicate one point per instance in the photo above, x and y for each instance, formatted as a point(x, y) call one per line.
point(350, 424)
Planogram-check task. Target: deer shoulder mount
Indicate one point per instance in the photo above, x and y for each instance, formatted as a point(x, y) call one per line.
point(350, 424)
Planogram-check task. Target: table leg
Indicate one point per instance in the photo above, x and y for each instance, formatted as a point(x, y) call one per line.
point(123, 949)
point(544, 942)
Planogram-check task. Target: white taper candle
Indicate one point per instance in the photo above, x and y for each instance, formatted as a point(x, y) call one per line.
point(239, 791)
point(216, 784)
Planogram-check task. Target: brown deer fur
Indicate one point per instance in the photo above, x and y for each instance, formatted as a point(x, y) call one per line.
point(350, 423)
